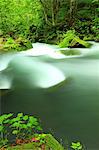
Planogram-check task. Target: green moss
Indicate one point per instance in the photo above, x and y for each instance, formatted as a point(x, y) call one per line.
point(78, 41)
point(51, 143)
point(29, 146)
point(71, 40)
point(67, 38)
point(70, 52)
point(12, 44)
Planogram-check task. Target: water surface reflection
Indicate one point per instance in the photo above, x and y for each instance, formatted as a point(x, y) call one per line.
point(71, 111)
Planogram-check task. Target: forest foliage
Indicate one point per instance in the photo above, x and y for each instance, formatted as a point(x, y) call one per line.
point(25, 21)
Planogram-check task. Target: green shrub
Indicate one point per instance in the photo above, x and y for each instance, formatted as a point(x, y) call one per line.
point(16, 16)
point(4, 126)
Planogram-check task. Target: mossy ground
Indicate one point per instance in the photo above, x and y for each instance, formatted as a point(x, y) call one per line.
point(50, 144)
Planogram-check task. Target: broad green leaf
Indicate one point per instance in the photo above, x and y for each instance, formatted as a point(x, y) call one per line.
point(16, 124)
point(1, 128)
point(24, 126)
point(15, 132)
point(20, 115)
point(25, 117)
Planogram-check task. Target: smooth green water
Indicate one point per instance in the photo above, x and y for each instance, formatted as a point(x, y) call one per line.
point(70, 111)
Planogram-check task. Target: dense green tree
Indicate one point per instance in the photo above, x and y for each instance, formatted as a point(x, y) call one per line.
point(19, 15)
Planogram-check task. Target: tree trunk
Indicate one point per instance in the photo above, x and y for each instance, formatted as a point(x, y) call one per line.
point(44, 10)
point(50, 9)
point(53, 14)
point(73, 12)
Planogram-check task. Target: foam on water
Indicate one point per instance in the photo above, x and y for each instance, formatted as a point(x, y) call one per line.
point(30, 73)
point(53, 50)
point(41, 49)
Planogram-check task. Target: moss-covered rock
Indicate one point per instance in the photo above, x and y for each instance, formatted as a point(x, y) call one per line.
point(50, 144)
point(66, 39)
point(77, 41)
point(71, 40)
point(70, 52)
point(29, 146)
point(12, 44)
point(1, 43)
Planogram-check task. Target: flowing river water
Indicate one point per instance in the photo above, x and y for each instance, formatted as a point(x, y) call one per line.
point(69, 111)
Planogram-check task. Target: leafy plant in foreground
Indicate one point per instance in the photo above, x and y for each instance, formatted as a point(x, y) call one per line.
point(39, 139)
point(24, 126)
point(19, 127)
point(4, 126)
point(77, 146)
